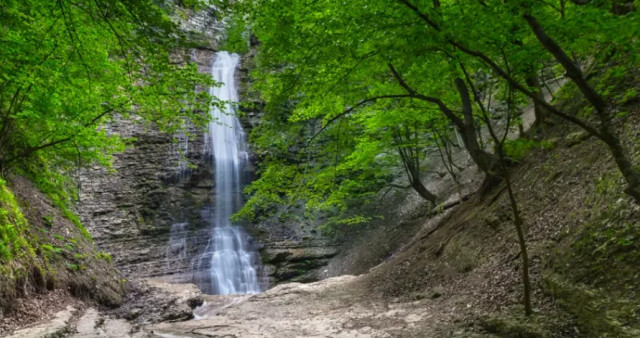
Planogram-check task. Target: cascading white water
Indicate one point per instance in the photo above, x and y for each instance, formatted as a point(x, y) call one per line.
point(232, 265)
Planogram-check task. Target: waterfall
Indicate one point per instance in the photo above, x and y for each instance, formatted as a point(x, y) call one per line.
point(231, 263)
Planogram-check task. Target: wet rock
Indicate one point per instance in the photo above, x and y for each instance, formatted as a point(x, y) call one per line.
point(130, 212)
point(154, 301)
point(295, 252)
point(296, 261)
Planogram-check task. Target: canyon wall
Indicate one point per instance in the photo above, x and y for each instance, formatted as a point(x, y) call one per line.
point(152, 210)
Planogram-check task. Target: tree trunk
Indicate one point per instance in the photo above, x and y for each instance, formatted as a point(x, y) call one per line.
point(486, 161)
point(622, 159)
point(422, 191)
point(411, 162)
point(517, 221)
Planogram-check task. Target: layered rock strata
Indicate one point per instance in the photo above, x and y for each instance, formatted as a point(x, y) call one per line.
point(153, 210)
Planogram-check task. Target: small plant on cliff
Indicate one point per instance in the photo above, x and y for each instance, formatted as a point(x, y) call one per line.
point(104, 256)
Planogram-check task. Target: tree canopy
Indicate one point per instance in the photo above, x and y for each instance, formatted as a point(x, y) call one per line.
point(357, 90)
point(70, 67)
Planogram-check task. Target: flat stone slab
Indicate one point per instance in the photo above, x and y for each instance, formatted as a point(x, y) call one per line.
point(56, 327)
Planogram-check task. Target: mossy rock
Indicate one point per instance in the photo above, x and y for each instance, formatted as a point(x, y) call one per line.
point(576, 137)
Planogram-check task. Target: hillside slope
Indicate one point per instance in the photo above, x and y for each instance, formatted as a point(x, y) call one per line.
point(46, 259)
point(583, 242)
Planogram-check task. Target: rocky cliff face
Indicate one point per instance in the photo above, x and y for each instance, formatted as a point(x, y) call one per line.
point(131, 213)
point(153, 212)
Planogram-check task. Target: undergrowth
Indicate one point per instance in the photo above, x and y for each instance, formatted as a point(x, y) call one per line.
point(17, 249)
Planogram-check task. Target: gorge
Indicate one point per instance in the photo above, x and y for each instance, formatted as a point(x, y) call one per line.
point(268, 168)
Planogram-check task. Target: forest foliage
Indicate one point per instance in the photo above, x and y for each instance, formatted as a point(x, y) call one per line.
point(360, 96)
point(69, 68)
point(358, 92)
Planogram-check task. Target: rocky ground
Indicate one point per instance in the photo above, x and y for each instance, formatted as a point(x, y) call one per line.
point(335, 307)
point(37, 308)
